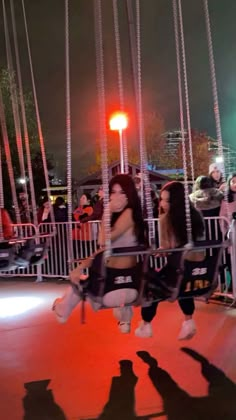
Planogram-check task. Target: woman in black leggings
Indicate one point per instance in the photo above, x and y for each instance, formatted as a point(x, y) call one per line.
point(173, 234)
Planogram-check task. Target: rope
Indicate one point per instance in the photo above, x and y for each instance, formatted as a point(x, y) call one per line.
point(102, 117)
point(68, 127)
point(14, 101)
point(41, 140)
point(120, 80)
point(146, 188)
point(23, 114)
point(186, 89)
point(183, 142)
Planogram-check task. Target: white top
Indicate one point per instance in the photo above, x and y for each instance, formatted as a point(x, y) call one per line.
point(127, 239)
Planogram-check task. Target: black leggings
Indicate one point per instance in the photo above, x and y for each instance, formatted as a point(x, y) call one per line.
point(187, 306)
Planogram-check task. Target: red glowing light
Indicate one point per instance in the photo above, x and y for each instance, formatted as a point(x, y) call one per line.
point(118, 121)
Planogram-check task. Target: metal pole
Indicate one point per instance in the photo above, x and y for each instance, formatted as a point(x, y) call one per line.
point(122, 170)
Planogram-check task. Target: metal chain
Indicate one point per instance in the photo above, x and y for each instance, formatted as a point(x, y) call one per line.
point(120, 78)
point(186, 89)
point(213, 79)
point(9, 159)
point(133, 43)
point(146, 193)
point(15, 107)
point(68, 128)
point(215, 98)
point(102, 117)
point(183, 141)
point(23, 114)
point(41, 139)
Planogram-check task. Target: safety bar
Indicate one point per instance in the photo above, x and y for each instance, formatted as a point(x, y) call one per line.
point(141, 250)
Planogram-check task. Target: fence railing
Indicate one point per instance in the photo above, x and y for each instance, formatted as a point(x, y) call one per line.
point(57, 265)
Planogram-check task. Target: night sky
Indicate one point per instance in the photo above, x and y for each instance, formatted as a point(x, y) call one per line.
point(46, 32)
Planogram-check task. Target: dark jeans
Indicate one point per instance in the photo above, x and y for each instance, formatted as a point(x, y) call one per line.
point(186, 305)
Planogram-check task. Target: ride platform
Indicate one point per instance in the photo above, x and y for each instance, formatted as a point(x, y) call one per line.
point(91, 371)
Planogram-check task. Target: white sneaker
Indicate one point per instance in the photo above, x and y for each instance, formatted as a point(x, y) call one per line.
point(144, 330)
point(124, 327)
point(61, 319)
point(188, 330)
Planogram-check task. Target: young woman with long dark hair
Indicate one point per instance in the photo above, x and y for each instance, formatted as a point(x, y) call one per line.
point(122, 275)
point(173, 234)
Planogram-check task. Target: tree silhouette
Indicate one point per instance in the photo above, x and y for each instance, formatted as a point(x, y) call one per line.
point(36, 158)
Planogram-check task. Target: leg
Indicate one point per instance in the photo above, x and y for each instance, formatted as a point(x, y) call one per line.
point(149, 312)
point(117, 299)
point(65, 305)
point(187, 306)
point(188, 329)
point(145, 328)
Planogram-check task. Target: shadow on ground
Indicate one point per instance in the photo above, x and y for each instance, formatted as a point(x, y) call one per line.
point(219, 404)
point(39, 402)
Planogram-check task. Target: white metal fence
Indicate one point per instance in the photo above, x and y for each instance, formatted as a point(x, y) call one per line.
point(57, 265)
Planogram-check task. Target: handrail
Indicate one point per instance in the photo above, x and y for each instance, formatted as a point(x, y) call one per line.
point(188, 247)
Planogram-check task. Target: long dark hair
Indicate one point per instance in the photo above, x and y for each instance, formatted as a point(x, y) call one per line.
point(230, 193)
point(128, 186)
point(176, 216)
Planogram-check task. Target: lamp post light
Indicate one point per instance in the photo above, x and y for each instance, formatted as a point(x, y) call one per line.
point(119, 122)
point(219, 159)
point(22, 181)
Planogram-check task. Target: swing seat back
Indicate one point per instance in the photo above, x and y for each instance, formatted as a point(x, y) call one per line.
point(200, 278)
point(31, 254)
point(97, 285)
point(39, 254)
point(181, 278)
point(164, 283)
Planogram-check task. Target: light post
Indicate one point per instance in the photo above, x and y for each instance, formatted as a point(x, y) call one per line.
point(220, 164)
point(119, 122)
point(22, 181)
point(219, 159)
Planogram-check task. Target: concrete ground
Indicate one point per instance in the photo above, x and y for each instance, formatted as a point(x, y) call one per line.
point(91, 371)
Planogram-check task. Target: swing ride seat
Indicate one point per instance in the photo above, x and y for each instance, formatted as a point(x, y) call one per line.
point(7, 257)
point(178, 279)
point(31, 254)
point(94, 287)
point(182, 279)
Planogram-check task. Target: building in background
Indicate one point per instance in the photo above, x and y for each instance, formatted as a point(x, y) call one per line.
point(92, 182)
